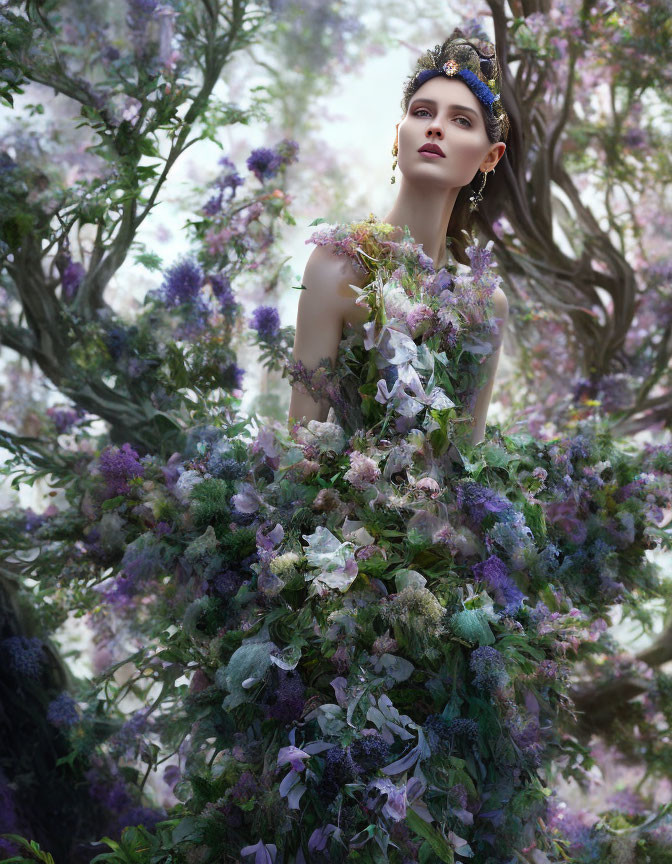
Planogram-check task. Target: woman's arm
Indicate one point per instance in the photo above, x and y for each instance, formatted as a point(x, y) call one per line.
point(319, 324)
point(485, 393)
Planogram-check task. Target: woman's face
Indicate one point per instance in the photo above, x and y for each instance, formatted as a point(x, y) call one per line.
point(444, 112)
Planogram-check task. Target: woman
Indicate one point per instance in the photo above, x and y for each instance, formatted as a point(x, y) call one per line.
point(444, 142)
point(420, 593)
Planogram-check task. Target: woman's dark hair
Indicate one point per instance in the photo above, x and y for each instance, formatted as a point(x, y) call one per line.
point(462, 218)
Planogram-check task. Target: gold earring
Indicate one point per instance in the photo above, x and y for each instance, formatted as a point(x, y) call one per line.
point(395, 153)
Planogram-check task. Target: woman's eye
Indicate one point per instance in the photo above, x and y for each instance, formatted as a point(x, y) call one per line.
point(468, 122)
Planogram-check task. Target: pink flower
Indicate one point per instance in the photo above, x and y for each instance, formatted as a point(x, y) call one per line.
point(428, 485)
point(418, 319)
point(363, 471)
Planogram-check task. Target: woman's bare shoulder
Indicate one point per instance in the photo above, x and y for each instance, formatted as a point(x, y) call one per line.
point(501, 303)
point(329, 271)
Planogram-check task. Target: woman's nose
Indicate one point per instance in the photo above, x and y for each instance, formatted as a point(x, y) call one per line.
point(434, 130)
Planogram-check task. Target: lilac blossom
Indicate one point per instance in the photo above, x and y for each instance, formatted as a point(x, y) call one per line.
point(229, 180)
point(264, 163)
point(118, 465)
point(65, 418)
point(487, 666)
point(290, 698)
point(182, 283)
point(221, 288)
point(479, 501)
point(266, 321)
point(127, 740)
point(494, 574)
point(24, 654)
point(231, 376)
point(480, 258)
point(72, 278)
point(62, 711)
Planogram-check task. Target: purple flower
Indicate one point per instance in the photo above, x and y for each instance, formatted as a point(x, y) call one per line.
point(487, 666)
point(231, 377)
point(65, 418)
point(266, 321)
point(339, 768)
point(244, 788)
point(141, 816)
point(182, 283)
point(230, 180)
point(213, 205)
point(370, 752)
point(290, 700)
point(288, 150)
point(62, 711)
point(479, 500)
point(111, 793)
point(117, 466)
point(25, 655)
point(125, 742)
point(71, 279)
point(221, 288)
point(480, 258)
point(264, 163)
point(494, 574)
point(33, 520)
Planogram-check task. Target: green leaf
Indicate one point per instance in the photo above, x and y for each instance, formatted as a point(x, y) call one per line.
point(317, 221)
point(423, 829)
point(536, 521)
point(187, 829)
point(150, 260)
point(496, 457)
point(32, 847)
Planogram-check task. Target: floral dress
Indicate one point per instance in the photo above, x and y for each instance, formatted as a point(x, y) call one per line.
point(397, 676)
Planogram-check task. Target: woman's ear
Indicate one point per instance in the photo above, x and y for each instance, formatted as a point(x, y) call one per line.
point(494, 156)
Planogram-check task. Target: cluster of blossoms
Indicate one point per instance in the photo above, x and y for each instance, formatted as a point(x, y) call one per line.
point(265, 162)
point(367, 600)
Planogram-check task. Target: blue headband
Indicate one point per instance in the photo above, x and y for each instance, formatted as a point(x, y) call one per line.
point(480, 90)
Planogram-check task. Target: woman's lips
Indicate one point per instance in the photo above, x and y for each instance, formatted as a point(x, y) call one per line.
point(430, 154)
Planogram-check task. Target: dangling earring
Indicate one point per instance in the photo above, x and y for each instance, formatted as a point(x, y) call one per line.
point(395, 153)
point(478, 197)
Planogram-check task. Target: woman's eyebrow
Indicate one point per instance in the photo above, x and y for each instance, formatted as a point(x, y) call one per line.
point(456, 107)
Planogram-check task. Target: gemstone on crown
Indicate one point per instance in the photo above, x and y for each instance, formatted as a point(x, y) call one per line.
point(451, 68)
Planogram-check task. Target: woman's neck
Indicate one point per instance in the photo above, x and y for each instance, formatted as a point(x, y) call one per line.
point(427, 213)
